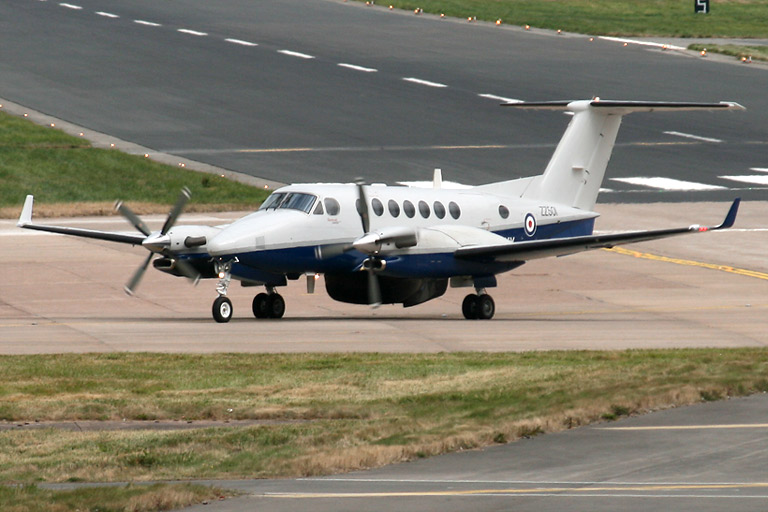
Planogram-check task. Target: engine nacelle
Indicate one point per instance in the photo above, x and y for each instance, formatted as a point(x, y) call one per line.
point(353, 288)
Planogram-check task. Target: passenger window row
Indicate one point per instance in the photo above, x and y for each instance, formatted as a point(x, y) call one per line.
point(332, 208)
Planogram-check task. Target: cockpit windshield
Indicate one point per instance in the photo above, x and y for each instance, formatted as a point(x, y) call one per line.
point(290, 201)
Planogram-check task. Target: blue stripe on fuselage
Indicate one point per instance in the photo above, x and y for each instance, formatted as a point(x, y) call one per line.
point(304, 259)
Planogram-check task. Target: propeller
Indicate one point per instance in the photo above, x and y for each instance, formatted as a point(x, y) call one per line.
point(371, 263)
point(158, 242)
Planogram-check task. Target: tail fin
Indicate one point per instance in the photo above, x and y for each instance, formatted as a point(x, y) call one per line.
point(575, 172)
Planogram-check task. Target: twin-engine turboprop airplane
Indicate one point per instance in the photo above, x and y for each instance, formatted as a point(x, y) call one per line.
point(378, 244)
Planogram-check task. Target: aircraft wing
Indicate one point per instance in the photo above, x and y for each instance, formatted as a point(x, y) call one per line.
point(25, 221)
point(535, 249)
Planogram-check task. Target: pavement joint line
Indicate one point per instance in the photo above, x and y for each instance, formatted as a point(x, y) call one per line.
point(690, 263)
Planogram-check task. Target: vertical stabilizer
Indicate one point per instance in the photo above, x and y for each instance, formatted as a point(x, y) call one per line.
point(575, 172)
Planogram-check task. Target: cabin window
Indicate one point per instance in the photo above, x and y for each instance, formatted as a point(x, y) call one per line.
point(332, 206)
point(409, 209)
point(454, 210)
point(503, 211)
point(378, 207)
point(424, 209)
point(298, 201)
point(394, 208)
point(439, 209)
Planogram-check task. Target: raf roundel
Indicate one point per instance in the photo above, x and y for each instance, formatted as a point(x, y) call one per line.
point(530, 224)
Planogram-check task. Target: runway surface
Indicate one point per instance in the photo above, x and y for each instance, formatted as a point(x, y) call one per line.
point(709, 457)
point(63, 294)
point(326, 90)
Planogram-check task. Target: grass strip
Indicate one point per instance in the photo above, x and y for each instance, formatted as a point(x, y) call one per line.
point(356, 410)
point(133, 498)
point(742, 53)
point(727, 18)
point(61, 169)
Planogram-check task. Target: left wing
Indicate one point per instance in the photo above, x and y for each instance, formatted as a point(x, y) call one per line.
point(535, 249)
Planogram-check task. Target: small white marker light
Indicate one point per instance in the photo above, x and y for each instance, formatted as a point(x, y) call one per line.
point(591, 39)
point(26, 115)
point(703, 52)
point(559, 31)
point(498, 21)
point(81, 134)
point(112, 145)
point(391, 7)
point(146, 155)
point(442, 15)
point(527, 27)
point(53, 125)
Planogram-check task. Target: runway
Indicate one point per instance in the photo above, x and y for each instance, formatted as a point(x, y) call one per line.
point(326, 90)
point(65, 295)
point(708, 457)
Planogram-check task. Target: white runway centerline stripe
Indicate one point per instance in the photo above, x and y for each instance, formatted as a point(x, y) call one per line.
point(759, 169)
point(668, 184)
point(71, 6)
point(107, 14)
point(641, 43)
point(424, 82)
point(756, 179)
point(695, 137)
point(241, 42)
point(500, 98)
point(192, 32)
point(147, 23)
point(357, 68)
point(296, 54)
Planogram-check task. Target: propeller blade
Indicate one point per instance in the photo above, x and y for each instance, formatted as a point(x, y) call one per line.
point(134, 282)
point(176, 210)
point(374, 291)
point(134, 219)
point(363, 205)
point(188, 270)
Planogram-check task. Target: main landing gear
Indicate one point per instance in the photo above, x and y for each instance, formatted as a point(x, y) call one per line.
point(479, 306)
point(265, 305)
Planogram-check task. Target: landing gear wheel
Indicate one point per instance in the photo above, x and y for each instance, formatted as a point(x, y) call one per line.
point(260, 306)
point(486, 307)
point(470, 307)
point(222, 309)
point(276, 306)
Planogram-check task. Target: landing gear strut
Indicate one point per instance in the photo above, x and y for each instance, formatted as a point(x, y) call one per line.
point(268, 305)
point(478, 306)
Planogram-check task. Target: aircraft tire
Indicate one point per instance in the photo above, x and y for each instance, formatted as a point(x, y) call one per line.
point(486, 307)
point(222, 309)
point(276, 306)
point(260, 306)
point(470, 307)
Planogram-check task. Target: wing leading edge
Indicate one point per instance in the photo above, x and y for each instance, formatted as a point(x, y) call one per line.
point(535, 249)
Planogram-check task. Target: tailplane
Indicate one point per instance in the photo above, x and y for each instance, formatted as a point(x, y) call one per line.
point(577, 167)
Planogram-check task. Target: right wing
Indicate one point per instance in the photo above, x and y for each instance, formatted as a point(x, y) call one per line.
point(25, 221)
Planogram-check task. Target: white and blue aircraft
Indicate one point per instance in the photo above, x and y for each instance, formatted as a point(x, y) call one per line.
point(379, 244)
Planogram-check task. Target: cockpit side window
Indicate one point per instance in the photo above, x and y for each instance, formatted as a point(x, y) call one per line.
point(273, 201)
point(298, 201)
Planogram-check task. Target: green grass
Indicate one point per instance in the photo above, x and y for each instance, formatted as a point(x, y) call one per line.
point(134, 498)
point(740, 52)
point(338, 412)
point(58, 168)
point(728, 18)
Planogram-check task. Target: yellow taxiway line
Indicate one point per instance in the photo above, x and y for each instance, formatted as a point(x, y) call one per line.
point(690, 263)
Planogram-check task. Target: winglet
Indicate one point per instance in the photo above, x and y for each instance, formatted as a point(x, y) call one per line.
point(26, 212)
point(731, 217)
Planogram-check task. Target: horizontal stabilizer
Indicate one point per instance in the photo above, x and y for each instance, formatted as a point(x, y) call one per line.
point(625, 107)
point(535, 249)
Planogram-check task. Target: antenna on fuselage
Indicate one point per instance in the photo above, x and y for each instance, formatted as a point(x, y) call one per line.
point(437, 179)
